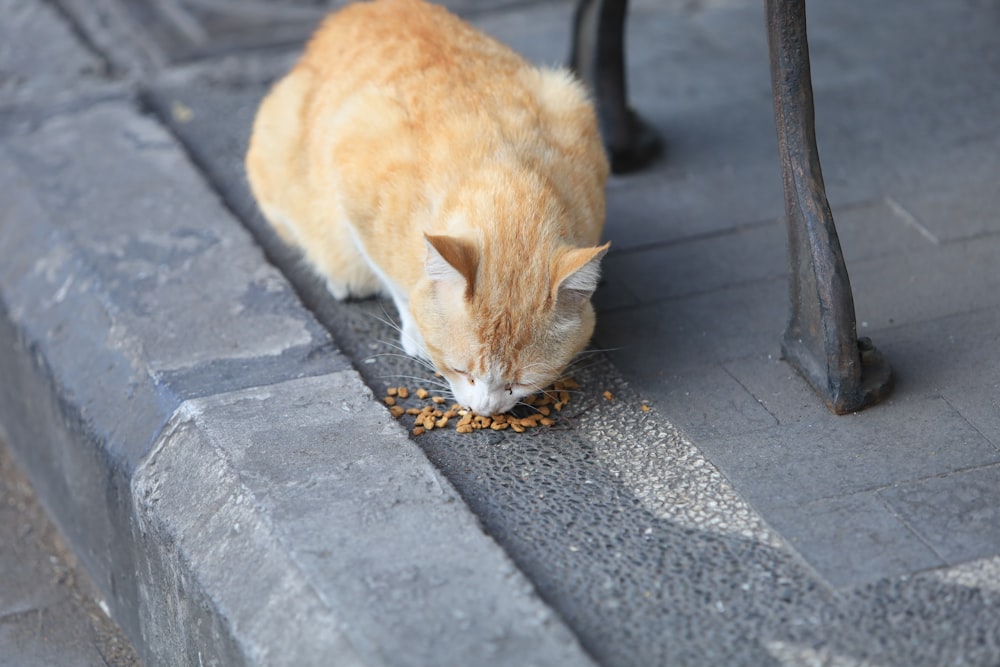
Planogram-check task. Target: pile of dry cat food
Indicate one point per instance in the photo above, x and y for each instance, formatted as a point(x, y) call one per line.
point(429, 411)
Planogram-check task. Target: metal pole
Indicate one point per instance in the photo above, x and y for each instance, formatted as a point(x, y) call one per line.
point(821, 339)
point(598, 58)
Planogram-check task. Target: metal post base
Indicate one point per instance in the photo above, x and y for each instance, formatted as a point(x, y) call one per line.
point(821, 340)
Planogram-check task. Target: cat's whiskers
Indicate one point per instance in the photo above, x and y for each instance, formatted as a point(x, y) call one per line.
point(586, 360)
point(421, 382)
point(386, 319)
point(581, 369)
point(402, 353)
point(448, 395)
point(389, 322)
point(520, 404)
point(592, 352)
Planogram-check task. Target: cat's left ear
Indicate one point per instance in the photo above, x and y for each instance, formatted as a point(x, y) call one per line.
point(575, 275)
point(452, 260)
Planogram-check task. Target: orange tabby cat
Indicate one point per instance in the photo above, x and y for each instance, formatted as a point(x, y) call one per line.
point(410, 155)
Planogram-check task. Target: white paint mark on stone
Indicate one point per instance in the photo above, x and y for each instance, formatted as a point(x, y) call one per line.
point(798, 655)
point(911, 220)
point(979, 574)
point(664, 471)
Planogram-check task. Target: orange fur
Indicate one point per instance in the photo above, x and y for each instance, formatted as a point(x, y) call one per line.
point(409, 154)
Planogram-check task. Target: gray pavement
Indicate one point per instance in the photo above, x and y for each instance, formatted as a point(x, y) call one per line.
point(217, 464)
point(50, 611)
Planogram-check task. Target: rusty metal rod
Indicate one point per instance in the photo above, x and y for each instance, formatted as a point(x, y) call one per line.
point(821, 339)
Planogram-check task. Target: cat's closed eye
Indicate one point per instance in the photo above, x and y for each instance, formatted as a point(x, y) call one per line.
point(465, 374)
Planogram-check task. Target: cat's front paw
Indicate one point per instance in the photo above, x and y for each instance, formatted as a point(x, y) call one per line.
point(342, 291)
point(337, 289)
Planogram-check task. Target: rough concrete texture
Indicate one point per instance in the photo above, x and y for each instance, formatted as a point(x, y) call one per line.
point(142, 38)
point(338, 521)
point(57, 66)
point(50, 612)
point(733, 521)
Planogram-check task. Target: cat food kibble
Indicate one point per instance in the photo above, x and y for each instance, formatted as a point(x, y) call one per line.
point(431, 414)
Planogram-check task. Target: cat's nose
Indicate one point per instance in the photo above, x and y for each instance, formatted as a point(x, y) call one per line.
point(492, 405)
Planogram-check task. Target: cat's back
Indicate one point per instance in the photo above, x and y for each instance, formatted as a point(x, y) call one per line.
point(416, 55)
point(396, 41)
point(395, 104)
point(397, 72)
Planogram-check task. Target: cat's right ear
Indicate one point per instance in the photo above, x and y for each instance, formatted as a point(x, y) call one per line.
point(453, 261)
point(576, 273)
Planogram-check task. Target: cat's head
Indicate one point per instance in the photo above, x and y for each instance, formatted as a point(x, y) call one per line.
point(501, 323)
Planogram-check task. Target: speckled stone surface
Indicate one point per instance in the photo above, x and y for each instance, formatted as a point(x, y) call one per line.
point(711, 511)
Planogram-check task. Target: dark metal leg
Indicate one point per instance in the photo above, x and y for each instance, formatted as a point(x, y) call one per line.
point(821, 341)
point(598, 58)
